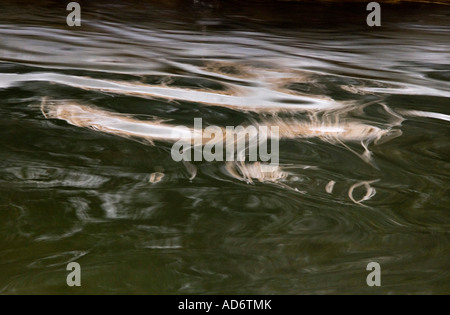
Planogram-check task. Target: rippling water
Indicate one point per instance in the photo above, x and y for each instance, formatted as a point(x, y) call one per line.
point(139, 222)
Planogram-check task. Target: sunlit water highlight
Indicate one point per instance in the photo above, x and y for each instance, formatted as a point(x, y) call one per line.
point(364, 155)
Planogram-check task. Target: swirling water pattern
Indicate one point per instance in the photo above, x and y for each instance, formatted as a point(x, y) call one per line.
point(139, 222)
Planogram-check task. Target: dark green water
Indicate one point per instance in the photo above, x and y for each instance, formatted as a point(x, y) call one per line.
point(74, 194)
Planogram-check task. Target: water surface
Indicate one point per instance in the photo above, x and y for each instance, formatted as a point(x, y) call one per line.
point(75, 194)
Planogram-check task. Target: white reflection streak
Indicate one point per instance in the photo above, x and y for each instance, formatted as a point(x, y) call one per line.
point(418, 113)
